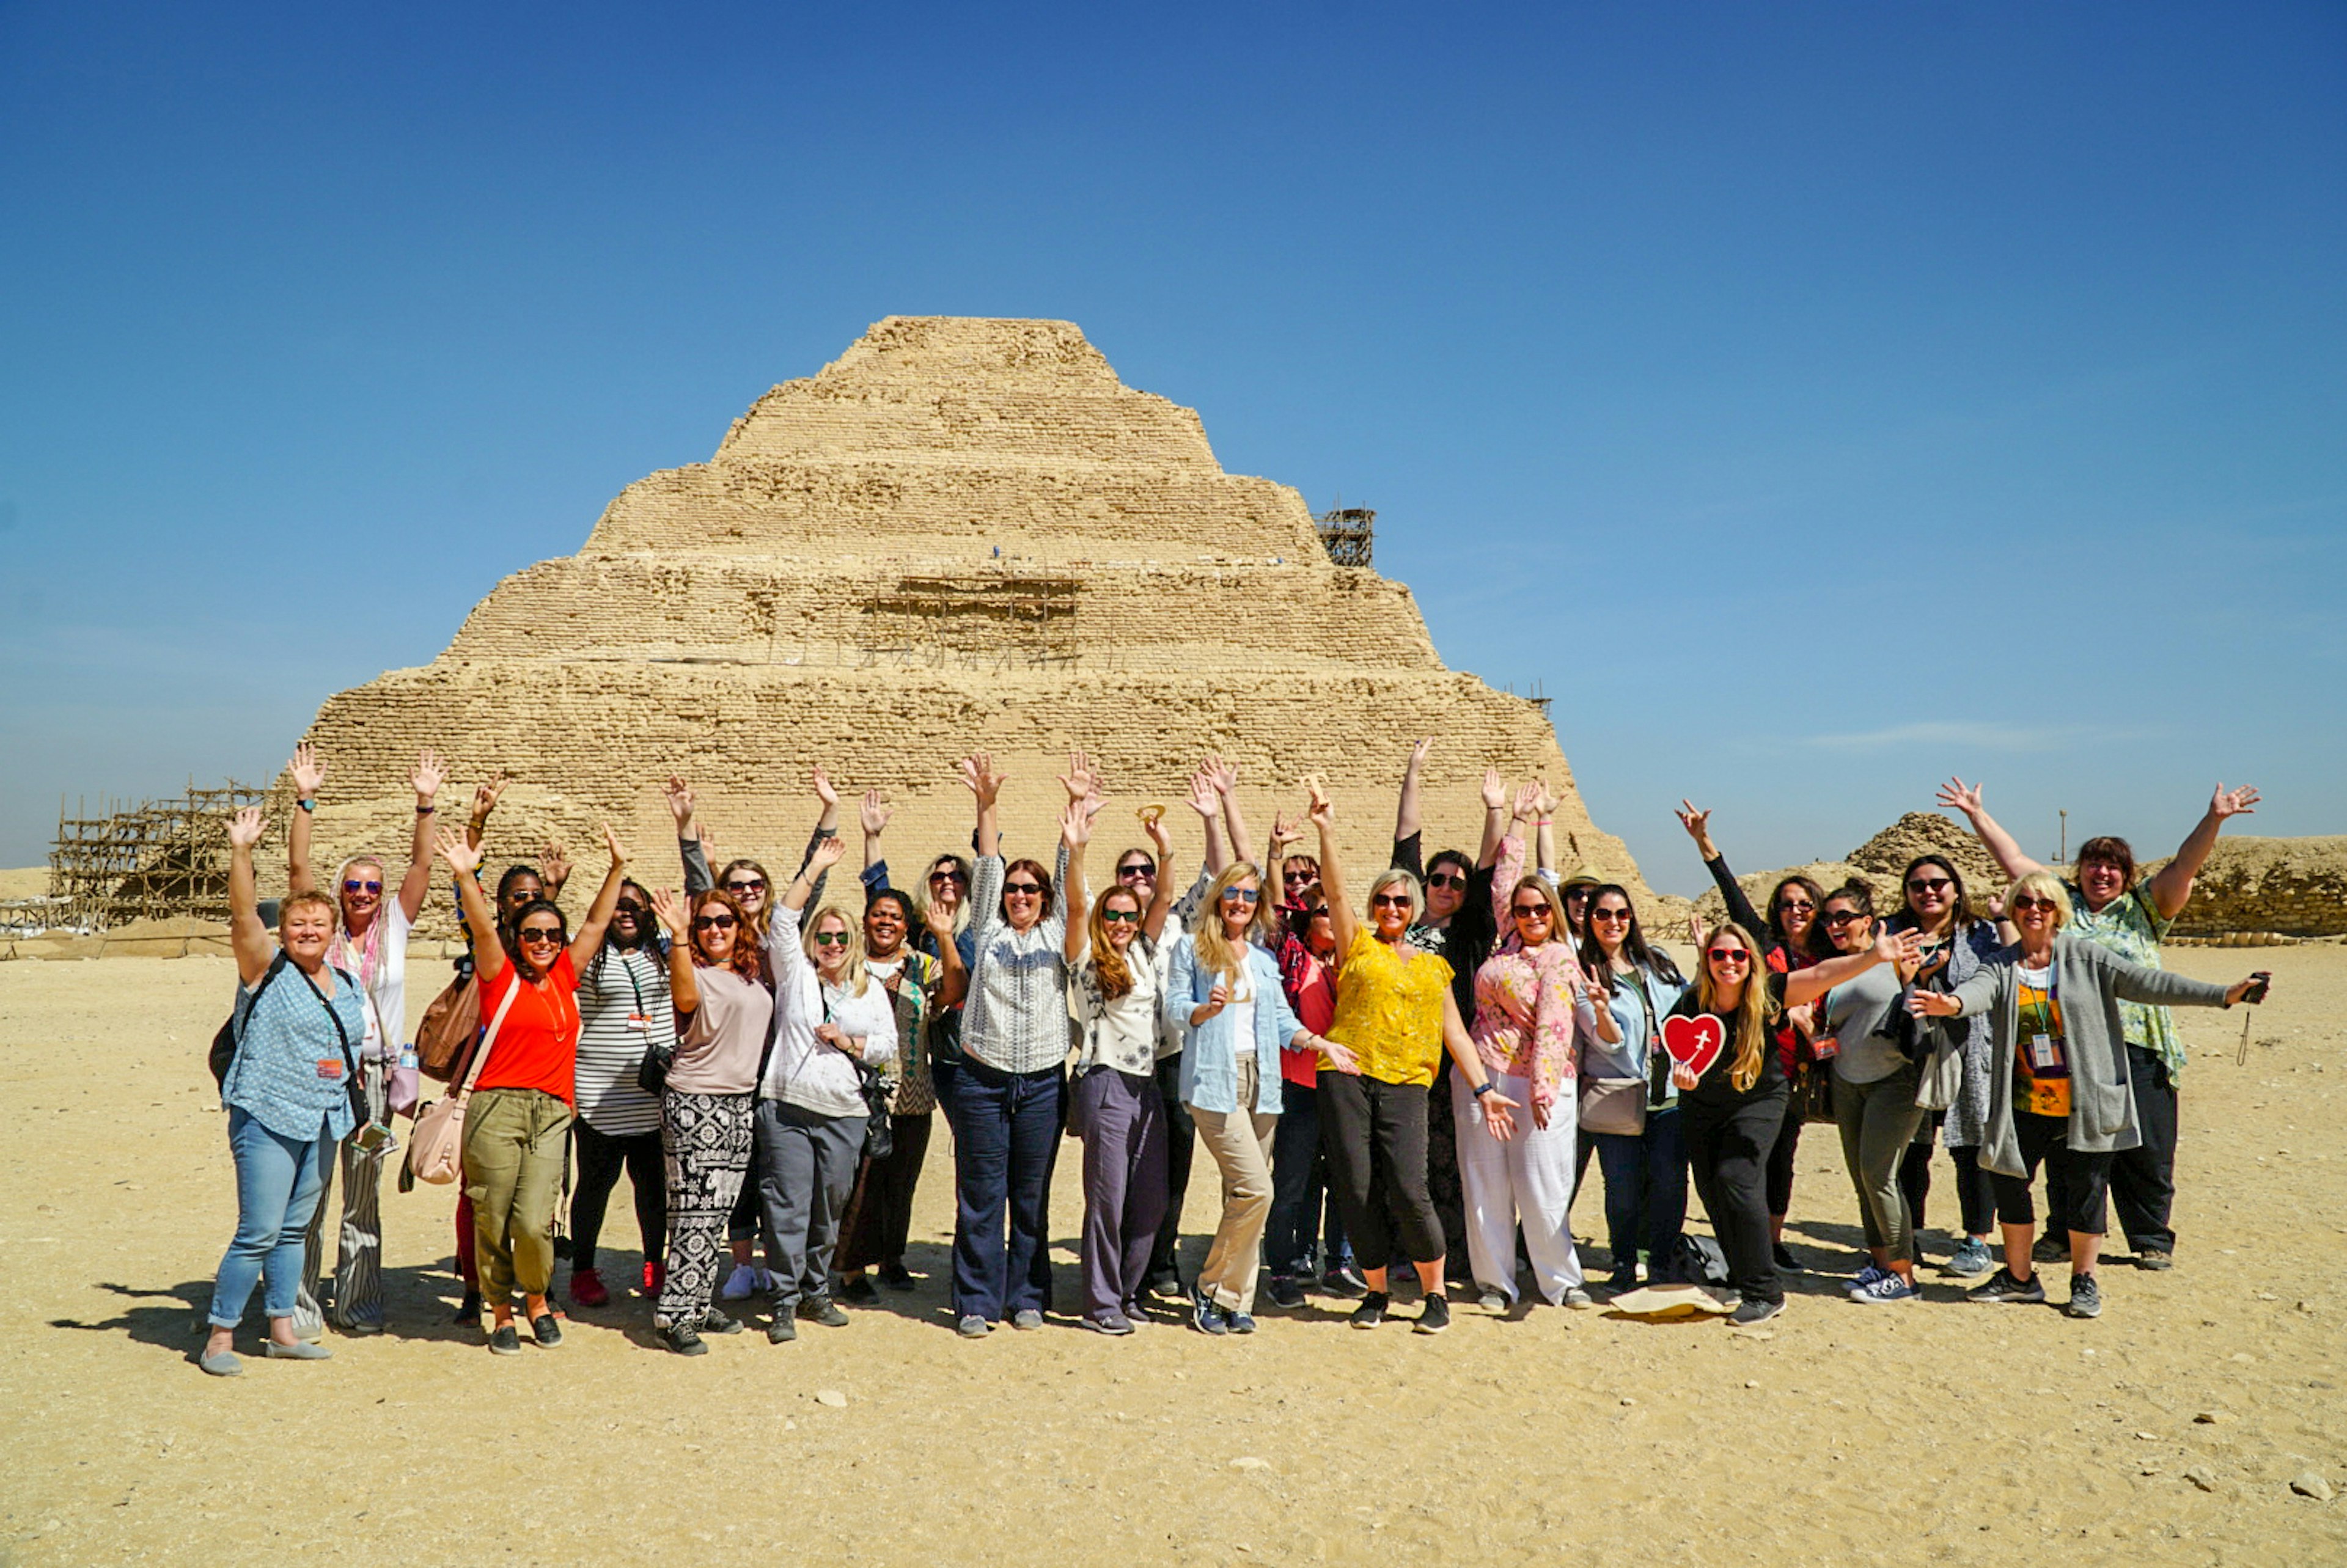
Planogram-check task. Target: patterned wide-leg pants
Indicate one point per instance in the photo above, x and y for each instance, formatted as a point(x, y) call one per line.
point(705, 1142)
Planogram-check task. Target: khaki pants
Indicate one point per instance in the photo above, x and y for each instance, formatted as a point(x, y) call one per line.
point(1240, 1143)
point(513, 1165)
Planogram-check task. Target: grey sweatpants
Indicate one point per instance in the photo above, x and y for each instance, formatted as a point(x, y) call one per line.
point(806, 1168)
point(1878, 1120)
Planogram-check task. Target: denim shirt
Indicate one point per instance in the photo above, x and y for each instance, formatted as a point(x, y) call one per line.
point(1209, 1066)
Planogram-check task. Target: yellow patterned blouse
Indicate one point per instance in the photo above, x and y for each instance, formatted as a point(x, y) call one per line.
point(1390, 1008)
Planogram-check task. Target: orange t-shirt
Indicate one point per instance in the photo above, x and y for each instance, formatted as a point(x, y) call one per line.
point(538, 1045)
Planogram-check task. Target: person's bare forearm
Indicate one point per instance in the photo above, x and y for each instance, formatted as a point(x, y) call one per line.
point(2002, 846)
point(2172, 888)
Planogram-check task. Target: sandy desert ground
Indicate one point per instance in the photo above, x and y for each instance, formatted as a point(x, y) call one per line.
point(1936, 1433)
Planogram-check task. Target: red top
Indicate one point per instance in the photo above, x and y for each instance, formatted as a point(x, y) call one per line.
point(1311, 987)
point(538, 1044)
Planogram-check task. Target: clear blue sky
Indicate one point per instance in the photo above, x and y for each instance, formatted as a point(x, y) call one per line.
point(1817, 399)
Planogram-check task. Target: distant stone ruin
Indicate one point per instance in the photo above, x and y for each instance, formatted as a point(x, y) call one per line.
point(961, 534)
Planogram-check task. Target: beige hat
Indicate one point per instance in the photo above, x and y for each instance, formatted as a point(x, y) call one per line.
point(1587, 876)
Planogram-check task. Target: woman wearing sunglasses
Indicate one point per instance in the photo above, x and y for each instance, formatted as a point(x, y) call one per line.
point(723, 1015)
point(1304, 1236)
point(517, 1124)
point(1790, 939)
point(1630, 1107)
point(828, 1017)
point(1395, 1019)
point(624, 1011)
point(2053, 1003)
point(1734, 1108)
point(1008, 1087)
point(372, 945)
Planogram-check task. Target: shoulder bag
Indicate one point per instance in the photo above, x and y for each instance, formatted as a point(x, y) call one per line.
point(1618, 1105)
point(451, 1024)
point(435, 1150)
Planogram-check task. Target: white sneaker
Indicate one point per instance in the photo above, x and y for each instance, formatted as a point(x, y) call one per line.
point(741, 1282)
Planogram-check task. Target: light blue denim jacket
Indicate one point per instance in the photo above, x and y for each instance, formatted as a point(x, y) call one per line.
point(1210, 1069)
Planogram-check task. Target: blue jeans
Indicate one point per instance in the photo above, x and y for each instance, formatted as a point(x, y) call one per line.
point(278, 1181)
point(1299, 1192)
point(1006, 1139)
point(1645, 1192)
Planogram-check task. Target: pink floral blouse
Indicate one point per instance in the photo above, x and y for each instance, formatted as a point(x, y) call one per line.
point(1526, 999)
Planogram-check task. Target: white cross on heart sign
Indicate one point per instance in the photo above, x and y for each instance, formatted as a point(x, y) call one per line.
point(1693, 1042)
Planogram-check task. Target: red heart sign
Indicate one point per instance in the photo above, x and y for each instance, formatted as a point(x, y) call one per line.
point(1693, 1042)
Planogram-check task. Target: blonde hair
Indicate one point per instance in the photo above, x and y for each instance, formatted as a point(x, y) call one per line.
point(1558, 931)
point(921, 895)
point(1215, 949)
point(303, 900)
point(1752, 1013)
point(1395, 876)
point(854, 977)
point(2042, 884)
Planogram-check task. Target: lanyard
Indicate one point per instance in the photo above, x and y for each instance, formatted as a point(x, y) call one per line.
point(2048, 1006)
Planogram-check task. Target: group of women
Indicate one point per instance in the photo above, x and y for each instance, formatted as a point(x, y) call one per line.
point(784, 1056)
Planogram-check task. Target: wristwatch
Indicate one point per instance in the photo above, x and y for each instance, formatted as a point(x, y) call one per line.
point(1484, 1088)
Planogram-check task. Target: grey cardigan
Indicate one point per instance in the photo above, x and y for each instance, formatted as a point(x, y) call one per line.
point(2091, 982)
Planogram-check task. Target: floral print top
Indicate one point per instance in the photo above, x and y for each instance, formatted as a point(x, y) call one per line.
point(1390, 1008)
point(2131, 925)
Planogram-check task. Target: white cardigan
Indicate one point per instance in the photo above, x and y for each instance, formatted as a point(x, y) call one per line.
point(804, 1071)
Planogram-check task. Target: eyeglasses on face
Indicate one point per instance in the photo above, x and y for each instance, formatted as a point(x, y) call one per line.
point(1530, 912)
point(352, 885)
point(713, 922)
point(2030, 901)
point(1929, 885)
point(540, 936)
point(1120, 916)
point(747, 885)
point(1241, 895)
point(1728, 955)
point(1389, 900)
point(1023, 889)
point(1137, 868)
point(953, 876)
point(1795, 906)
point(1843, 916)
point(831, 938)
point(1446, 879)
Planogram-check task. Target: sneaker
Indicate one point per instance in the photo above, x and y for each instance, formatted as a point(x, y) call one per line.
point(1785, 1258)
point(740, 1284)
point(1207, 1318)
point(897, 1278)
point(1865, 1277)
point(1970, 1260)
point(822, 1309)
point(1579, 1299)
point(1888, 1287)
point(505, 1340)
point(1285, 1293)
point(1111, 1323)
point(546, 1331)
point(1239, 1322)
point(781, 1329)
point(468, 1311)
point(682, 1338)
point(1026, 1320)
point(1491, 1301)
point(2085, 1297)
point(861, 1290)
point(2154, 1258)
point(2051, 1249)
point(1435, 1315)
point(973, 1326)
point(587, 1288)
point(1371, 1312)
point(2003, 1286)
point(1343, 1280)
point(1752, 1310)
point(715, 1322)
point(1622, 1281)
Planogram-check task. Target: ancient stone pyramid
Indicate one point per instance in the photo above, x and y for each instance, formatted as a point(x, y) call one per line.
point(963, 533)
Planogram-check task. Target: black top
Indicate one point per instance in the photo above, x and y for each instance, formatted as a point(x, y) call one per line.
point(1714, 1088)
point(1467, 938)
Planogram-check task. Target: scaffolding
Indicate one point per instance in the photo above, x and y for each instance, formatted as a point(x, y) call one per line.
point(1346, 534)
point(1033, 618)
point(150, 861)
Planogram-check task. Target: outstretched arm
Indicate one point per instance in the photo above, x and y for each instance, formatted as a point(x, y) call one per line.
point(1495, 817)
point(873, 816)
point(978, 776)
point(1808, 985)
point(1408, 824)
point(247, 935)
point(683, 986)
point(1342, 922)
point(1153, 920)
point(1740, 906)
point(1076, 832)
point(485, 801)
point(464, 858)
point(1956, 796)
point(308, 771)
point(1208, 804)
point(1226, 776)
point(2173, 885)
point(589, 939)
point(426, 778)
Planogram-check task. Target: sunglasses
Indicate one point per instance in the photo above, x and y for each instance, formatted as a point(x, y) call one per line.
point(352, 885)
point(1609, 915)
point(1530, 912)
point(1728, 955)
point(831, 938)
point(713, 922)
point(1929, 885)
point(540, 936)
point(1843, 916)
point(955, 877)
point(1241, 895)
point(1800, 905)
point(1577, 894)
point(1296, 875)
point(1023, 889)
point(1446, 879)
point(1120, 916)
point(627, 907)
point(2030, 901)
point(1391, 900)
point(1138, 868)
point(755, 884)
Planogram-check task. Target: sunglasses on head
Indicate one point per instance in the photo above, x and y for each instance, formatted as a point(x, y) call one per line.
point(1929, 885)
point(1137, 868)
point(1446, 879)
point(352, 885)
point(1391, 900)
point(1023, 889)
point(1728, 955)
point(831, 938)
point(713, 922)
point(2030, 901)
point(1120, 916)
point(539, 935)
point(1241, 895)
point(750, 885)
point(955, 877)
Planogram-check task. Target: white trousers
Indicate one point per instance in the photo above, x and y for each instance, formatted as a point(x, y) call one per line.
point(1529, 1178)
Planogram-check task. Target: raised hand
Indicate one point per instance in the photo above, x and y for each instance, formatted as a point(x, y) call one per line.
point(1082, 779)
point(1417, 751)
point(708, 843)
point(554, 863)
point(668, 905)
point(1957, 795)
point(308, 769)
point(1286, 829)
point(487, 796)
point(1698, 826)
point(245, 828)
point(938, 919)
point(1495, 789)
point(2226, 802)
point(680, 801)
point(462, 858)
point(1224, 775)
point(821, 782)
point(1901, 948)
point(978, 776)
point(610, 842)
point(427, 776)
point(1548, 801)
point(1698, 934)
point(1528, 800)
point(874, 813)
point(1319, 809)
point(1203, 798)
point(828, 853)
point(1159, 840)
point(1076, 822)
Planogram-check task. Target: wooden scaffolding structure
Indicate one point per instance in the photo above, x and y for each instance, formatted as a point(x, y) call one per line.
point(1348, 533)
point(149, 861)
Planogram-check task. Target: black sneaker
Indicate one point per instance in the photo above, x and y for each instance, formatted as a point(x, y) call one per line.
point(895, 1277)
point(1371, 1312)
point(2051, 1248)
point(1752, 1310)
point(1622, 1281)
point(1343, 1280)
point(1785, 1258)
point(822, 1309)
point(2003, 1286)
point(715, 1322)
point(546, 1331)
point(1284, 1292)
point(1434, 1316)
point(783, 1329)
point(682, 1338)
point(861, 1290)
point(505, 1340)
point(468, 1311)
point(2085, 1297)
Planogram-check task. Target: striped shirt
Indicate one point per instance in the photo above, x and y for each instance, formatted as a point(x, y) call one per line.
point(621, 985)
point(1016, 1019)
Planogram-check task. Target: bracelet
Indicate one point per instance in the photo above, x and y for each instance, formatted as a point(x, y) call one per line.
point(1545, 821)
point(1484, 1088)
point(311, 805)
point(425, 810)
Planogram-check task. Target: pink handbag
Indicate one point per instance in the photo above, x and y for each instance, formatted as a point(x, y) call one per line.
point(435, 1150)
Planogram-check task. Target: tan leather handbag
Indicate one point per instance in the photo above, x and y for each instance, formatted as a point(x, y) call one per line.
point(435, 1150)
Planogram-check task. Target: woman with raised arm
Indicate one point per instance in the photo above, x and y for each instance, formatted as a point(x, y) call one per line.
point(624, 1011)
point(372, 945)
point(1877, 1069)
point(2054, 1002)
point(1113, 1105)
point(1789, 940)
point(1395, 1018)
point(1305, 1240)
point(516, 1122)
point(723, 1014)
point(1734, 1107)
point(296, 1024)
point(2130, 917)
point(1008, 1088)
point(829, 1015)
point(1629, 1106)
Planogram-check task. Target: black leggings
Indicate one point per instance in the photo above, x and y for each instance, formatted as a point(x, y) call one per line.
point(2078, 1203)
point(1374, 1135)
point(1975, 1192)
point(1727, 1154)
point(1780, 1163)
point(600, 1158)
